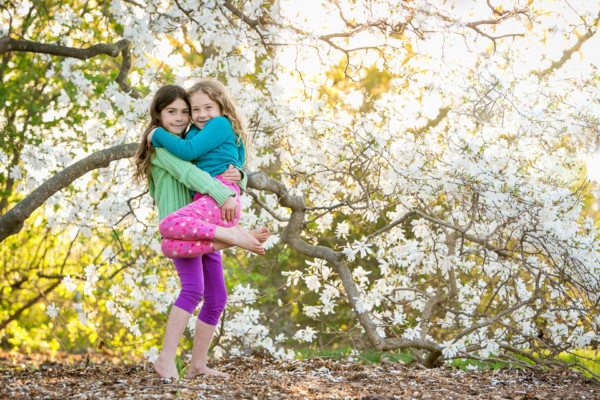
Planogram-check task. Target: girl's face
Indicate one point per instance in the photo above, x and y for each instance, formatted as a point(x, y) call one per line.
point(203, 109)
point(175, 117)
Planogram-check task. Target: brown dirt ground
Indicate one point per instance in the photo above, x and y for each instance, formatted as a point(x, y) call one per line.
point(256, 377)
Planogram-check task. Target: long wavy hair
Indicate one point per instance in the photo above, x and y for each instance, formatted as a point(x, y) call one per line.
point(163, 97)
point(219, 94)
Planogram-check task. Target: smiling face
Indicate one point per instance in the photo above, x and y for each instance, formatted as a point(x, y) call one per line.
point(175, 117)
point(203, 109)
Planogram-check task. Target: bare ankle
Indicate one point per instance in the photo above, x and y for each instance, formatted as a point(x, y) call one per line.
point(165, 367)
point(203, 369)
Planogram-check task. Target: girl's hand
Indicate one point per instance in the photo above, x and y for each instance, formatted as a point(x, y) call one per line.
point(232, 174)
point(229, 209)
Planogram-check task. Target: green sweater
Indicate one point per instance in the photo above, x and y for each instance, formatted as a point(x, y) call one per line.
point(172, 178)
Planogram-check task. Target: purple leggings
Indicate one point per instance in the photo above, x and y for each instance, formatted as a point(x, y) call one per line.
point(190, 231)
point(193, 272)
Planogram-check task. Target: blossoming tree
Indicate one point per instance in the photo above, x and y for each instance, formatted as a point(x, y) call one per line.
point(423, 155)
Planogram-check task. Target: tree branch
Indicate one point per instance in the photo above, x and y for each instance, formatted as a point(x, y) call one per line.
point(30, 303)
point(462, 231)
point(8, 44)
point(249, 21)
point(267, 208)
point(567, 53)
point(291, 236)
point(12, 221)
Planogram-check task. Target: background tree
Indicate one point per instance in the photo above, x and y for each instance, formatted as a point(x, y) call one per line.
point(421, 156)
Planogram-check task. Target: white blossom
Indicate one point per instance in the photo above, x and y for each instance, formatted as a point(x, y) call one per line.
point(311, 311)
point(307, 335)
point(16, 173)
point(293, 277)
point(451, 348)
point(52, 310)
point(69, 283)
point(399, 318)
point(151, 354)
point(420, 228)
point(312, 282)
point(342, 229)
point(360, 274)
point(83, 319)
point(412, 333)
point(361, 247)
point(349, 253)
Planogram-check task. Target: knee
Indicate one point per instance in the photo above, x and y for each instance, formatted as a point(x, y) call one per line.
point(168, 248)
point(212, 309)
point(219, 305)
point(191, 295)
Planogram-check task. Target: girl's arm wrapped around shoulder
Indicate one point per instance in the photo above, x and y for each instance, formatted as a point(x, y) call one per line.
point(191, 176)
point(215, 132)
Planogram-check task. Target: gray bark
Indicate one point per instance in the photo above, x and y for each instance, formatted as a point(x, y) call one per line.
point(12, 221)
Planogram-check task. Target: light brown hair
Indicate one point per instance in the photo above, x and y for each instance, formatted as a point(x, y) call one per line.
point(217, 92)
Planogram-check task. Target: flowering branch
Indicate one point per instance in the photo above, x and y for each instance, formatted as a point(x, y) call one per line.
point(122, 47)
point(12, 221)
point(567, 53)
point(291, 236)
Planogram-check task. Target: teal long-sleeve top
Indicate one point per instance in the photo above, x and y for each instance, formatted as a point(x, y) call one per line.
point(211, 149)
point(172, 178)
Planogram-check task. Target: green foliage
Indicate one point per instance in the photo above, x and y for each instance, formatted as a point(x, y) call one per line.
point(361, 356)
point(182, 367)
point(43, 93)
point(589, 358)
point(34, 262)
point(372, 84)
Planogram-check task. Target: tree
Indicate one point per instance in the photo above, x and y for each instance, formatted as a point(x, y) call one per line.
point(423, 154)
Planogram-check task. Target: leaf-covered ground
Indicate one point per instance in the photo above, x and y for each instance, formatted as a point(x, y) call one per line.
point(32, 377)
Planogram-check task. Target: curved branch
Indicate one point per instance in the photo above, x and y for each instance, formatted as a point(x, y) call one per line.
point(494, 319)
point(267, 208)
point(8, 44)
point(12, 221)
point(567, 53)
point(291, 236)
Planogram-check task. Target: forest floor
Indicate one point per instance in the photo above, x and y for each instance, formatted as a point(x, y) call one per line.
point(256, 377)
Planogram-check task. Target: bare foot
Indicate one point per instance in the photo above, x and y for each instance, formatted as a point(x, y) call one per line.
point(166, 368)
point(238, 236)
point(260, 234)
point(204, 370)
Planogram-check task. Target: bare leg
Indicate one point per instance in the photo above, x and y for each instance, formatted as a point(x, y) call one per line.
point(202, 338)
point(221, 245)
point(165, 363)
point(238, 236)
point(260, 234)
point(223, 239)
